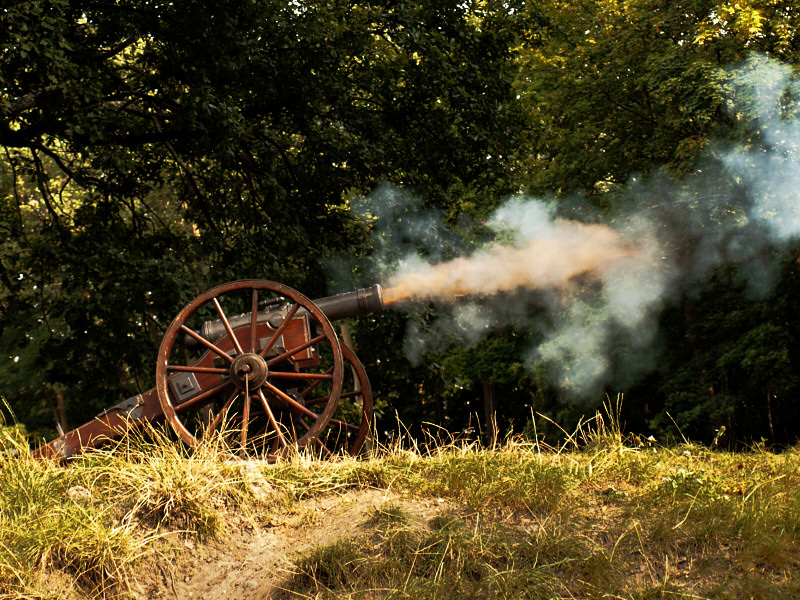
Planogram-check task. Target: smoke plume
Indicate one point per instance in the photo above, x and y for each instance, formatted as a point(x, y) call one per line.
point(563, 251)
point(598, 285)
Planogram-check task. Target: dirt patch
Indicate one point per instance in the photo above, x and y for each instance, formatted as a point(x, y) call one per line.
point(256, 558)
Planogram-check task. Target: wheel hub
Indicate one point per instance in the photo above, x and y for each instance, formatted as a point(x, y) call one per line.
point(249, 370)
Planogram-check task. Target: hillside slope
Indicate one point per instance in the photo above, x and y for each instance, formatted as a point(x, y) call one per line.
point(612, 517)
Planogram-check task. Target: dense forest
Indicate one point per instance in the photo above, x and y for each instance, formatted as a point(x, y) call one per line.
point(151, 150)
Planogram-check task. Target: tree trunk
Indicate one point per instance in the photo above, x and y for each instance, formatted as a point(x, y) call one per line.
point(769, 414)
point(490, 412)
point(61, 414)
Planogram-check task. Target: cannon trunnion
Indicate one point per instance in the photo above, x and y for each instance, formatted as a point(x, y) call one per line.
point(257, 363)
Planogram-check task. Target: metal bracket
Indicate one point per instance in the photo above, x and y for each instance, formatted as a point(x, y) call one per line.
point(185, 386)
point(132, 407)
point(278, 348)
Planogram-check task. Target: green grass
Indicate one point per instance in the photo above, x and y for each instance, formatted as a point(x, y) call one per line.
point(603, 516)
point(82, 529)
point(452, 556)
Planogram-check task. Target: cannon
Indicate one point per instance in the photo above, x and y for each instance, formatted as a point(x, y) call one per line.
point(258, 363)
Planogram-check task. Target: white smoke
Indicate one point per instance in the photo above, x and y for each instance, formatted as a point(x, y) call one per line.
point(685, 231)
point(771, 170)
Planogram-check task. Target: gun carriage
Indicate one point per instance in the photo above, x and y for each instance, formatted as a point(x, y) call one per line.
point(258, 362)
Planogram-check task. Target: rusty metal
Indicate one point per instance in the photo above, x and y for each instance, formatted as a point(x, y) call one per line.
point(268, 379)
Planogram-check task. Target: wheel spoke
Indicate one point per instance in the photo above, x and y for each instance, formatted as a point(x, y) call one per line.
point(291, 401)
point(322, 445)
point(289, 353)
point(305, 425)
point(192, 402)
point(206, 343)
point(343, 424)
point(193, 369)
point(318, 441)
point(314, 385)
point(322, 399)
point(279, 331)
point(227, 325)
point(245, 420)
point(293, 375)
point(273, 449)
point(271, 418)
point(253, 320)
point(294, 429)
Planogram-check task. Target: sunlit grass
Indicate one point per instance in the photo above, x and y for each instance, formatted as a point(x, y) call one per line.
point(602, 515)
point(449, 557)
point(86, 525)
point(609, 516)
point(157, 481)
point(45, 525)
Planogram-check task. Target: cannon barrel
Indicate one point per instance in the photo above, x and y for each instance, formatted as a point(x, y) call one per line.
point(341, 306)
point(352, 304)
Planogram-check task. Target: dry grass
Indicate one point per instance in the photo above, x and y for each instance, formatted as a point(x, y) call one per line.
point(604, 515)
point(78, 531)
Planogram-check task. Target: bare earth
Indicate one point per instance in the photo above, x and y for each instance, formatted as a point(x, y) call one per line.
point(255, 559)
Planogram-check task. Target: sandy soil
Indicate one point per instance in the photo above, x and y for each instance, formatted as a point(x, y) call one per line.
point(256, 558)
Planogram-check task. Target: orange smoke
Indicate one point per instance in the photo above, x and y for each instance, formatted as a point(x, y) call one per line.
point(567, 250)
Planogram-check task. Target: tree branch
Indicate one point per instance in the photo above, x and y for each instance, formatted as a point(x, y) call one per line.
point(187, 173)
point(114, 50)
point(42, 185)
point(24, 102)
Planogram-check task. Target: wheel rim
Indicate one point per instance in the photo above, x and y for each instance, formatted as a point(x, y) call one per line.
point(350, 424)
point(232, 360)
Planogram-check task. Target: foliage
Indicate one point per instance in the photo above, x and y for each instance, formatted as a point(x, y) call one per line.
point(625, 103)
point(732, 366)
point(151, 151)
point(615, 89)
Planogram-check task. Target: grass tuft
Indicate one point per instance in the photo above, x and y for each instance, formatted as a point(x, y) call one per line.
point(90, 523)
point(156, 480)
point(604, 515)
point(43, 529)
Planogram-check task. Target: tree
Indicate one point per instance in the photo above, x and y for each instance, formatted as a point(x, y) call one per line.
point(151, 150)
point(615, 89)
point(643, 95)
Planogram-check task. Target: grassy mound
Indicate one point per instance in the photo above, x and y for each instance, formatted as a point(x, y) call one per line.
point(605, 516)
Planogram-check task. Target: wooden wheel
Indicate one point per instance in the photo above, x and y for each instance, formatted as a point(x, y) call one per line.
point(236, 360)
point(349, 426)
